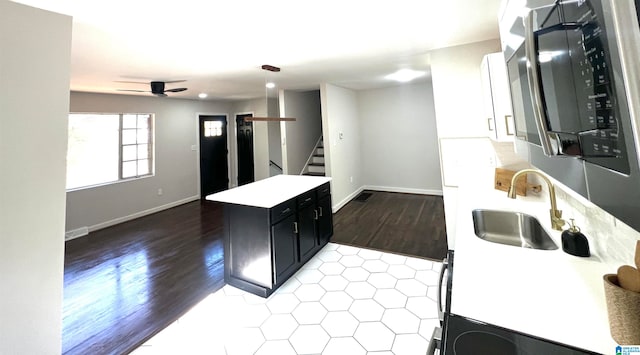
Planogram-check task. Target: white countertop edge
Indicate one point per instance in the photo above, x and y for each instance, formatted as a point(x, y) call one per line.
point(269, 192)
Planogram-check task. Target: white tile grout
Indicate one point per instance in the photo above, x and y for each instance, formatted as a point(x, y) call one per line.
point(400, 289)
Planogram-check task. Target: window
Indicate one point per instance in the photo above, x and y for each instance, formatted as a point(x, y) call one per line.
point(106, 147)
point(212, 128)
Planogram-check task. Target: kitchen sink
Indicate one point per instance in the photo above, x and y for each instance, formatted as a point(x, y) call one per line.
point(511, 228)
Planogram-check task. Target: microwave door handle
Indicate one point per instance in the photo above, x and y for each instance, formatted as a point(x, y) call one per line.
point(534, 84)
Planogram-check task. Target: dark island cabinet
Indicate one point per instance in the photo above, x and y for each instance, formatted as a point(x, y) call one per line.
point(285, 248)
point(266, 246)
point(325, 219)
point(307, 225)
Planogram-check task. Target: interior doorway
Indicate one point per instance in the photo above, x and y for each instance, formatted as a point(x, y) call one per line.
point(244, 139)
point(214, 166)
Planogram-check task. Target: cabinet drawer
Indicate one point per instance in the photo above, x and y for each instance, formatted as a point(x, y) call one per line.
point(282, 210)
point(306, 199)
point(323, 190)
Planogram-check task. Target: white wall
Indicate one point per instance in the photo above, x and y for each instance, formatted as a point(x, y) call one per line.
point(34, 102)
point(343, 158)
point(399, 141)
point(273, 108)
point(457, 91)
point(176, 165)
point(300, 136)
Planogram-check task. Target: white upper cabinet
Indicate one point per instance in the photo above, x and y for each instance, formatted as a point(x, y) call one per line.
point(497, 99)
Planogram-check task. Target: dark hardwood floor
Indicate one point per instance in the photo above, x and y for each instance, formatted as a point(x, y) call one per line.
point(125, 283)
point(401, 223)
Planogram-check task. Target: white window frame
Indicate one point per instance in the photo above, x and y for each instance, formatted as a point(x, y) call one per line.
point(150, 143)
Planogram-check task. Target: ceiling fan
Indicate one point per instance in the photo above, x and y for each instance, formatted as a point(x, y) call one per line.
point(157, 87)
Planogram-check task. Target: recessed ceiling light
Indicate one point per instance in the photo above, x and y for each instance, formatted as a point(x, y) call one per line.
point(404, 75)
point(202, 95)
point(270, 85)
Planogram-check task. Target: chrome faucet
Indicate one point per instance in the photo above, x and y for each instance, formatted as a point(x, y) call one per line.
point(556, 215)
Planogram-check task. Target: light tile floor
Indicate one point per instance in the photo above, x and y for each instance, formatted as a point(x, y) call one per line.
point(345, 300)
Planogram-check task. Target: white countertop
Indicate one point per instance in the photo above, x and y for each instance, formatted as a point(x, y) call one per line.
point(269, 192)
point(545, 293)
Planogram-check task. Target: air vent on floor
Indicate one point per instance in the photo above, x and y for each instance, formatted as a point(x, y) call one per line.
point(363, 197)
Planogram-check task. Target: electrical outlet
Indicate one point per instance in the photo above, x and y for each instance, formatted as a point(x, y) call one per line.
point(159, 192)
point(193, 147)
point(350, 178)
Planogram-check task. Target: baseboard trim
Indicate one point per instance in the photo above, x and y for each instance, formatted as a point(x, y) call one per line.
point(76, 233)
point(346, 200)
point(404, 190)
point(119, 220)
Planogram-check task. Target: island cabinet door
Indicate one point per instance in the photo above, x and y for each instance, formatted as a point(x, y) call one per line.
point(325, 220)
point(307, 232)
point(285, 249)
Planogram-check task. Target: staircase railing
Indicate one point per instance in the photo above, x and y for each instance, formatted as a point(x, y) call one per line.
point(272, 163)
point(306, 165)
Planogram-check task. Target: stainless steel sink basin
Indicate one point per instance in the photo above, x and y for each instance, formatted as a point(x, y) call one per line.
point(511, 228)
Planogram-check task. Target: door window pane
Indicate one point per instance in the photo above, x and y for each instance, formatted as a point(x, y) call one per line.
point(212, 128)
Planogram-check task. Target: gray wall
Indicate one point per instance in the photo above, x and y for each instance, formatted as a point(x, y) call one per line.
point(343, 158)
point(399, 141)
point(275, 142)
point(34, 102)
point(176, 165)
point(275, 147)
point(300, 136)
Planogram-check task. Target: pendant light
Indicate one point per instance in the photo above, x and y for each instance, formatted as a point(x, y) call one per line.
point(269, 85)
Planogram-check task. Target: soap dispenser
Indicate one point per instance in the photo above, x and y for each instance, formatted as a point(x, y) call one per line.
point(574, 242)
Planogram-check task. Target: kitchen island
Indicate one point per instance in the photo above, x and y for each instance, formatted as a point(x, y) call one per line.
point(272, 227)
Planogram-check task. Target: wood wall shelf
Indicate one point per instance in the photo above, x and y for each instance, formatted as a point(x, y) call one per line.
point(269, 119)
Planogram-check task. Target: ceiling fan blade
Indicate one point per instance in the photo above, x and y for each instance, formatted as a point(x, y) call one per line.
point(161, 95)
point(176, 90)
point(131, 82)
point(132, 90)
point(175, 81)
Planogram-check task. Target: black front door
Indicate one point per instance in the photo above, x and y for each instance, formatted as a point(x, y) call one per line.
point(245, 149)
point(213, 155)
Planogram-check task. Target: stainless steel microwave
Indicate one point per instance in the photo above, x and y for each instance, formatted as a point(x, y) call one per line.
point(575, 85)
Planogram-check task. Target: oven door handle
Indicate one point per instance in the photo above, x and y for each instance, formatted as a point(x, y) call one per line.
point(445, 266)
point(436, 342)
point(531, 53)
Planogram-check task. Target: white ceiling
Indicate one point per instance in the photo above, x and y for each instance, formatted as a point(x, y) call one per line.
point(219, 46)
